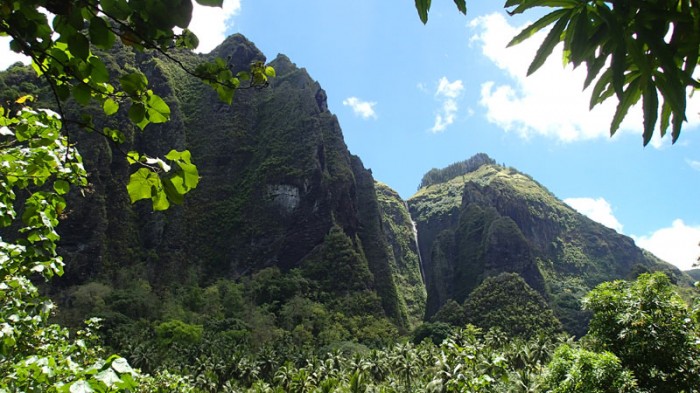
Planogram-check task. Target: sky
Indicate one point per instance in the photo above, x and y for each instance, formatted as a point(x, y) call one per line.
point(410, 97)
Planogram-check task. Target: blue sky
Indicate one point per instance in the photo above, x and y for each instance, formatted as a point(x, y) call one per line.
point(411, 97)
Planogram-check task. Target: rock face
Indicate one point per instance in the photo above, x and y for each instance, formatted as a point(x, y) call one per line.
point(493, 219)
point(276, 177)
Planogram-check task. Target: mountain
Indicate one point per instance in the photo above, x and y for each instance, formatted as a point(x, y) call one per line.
point(279, 190)
point(289, 238)
point(488, 219)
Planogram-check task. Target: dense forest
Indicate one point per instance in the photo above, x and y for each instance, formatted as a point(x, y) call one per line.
point(278, 263)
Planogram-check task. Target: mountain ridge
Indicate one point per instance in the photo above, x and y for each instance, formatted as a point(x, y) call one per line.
point(283, 203)
point(494, 219)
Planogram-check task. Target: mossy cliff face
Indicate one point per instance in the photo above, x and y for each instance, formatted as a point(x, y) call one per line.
point(495, 219)
point(276, 179)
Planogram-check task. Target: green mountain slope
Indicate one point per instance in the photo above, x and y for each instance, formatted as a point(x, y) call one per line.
point(287, 231)
point(279, 190)
point(493, 219)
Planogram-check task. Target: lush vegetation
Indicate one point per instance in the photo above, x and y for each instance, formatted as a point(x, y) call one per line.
point(465, 223)
point(334, 323)
point(456, 169)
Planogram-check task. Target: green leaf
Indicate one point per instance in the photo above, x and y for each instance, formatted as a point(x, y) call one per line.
point(98, 71)
point(618, 66)
point(523, 5)
point(629, 97)
point(211, 3)
point(548, 44)
point(116, 8)
point(597, 95)
point(578, 38)
point(137, 114)
point(677, 121)
point(61, 187)
point(79, 46)
point(158, 111)
point(172, 191)
point(422, 6)
point(190, 175)
point(181, 15)
point(115, 135)
point(100, 34)
point(537, 26)
point(187, 40)
point(160, 198)
point(134, 83)
point(665, 118)
point(110, 107)
point(225, 93)
point(108, 377)
point(270, 71)
point(140, 184)
point(593, 66)
point(81, 387)
point(63, 91)
point(81, 93)
point(461, 6)
point(122, 366)
point(650, 105)
point(133, 157)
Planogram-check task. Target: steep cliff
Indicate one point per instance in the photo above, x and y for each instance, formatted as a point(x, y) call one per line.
point(277, 182)
point(491, 219)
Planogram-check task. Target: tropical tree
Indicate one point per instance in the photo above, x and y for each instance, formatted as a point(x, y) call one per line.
point(65, 41)
point(633, 50)
point(574, 370)
point(648, 326)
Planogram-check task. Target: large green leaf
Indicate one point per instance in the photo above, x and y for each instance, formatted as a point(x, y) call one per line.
point(79, 46)
point(552, 39)
point(190, 175)
point(81, 93)
point(100, 34)
point(422, 6)
point(461, 6)
point(537, 26)
point(110, 107)
point(140, 183)
point(629, 97)
point(181, 14)
point(158, 110)
point(98, 70)
point(133, 83)
point(116, 8)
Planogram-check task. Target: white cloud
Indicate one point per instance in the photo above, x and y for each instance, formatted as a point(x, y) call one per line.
point(447, 92)
point(550, 102)
point(8, 57)
point(694, 164)
point(364, 109)
point(677, 244)
point(598, 210)
point(210, 24)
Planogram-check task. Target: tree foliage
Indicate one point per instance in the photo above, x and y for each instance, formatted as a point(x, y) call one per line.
point(577, 370)
point(64, 40)
point(632, 50)
point(648, 326)
point(508, 303)
point(435, 176)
